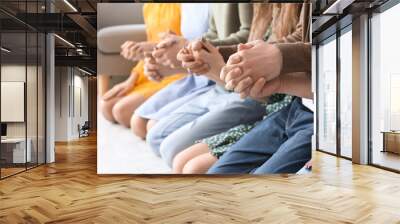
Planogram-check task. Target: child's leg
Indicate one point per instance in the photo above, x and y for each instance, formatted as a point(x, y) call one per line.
point(106, 108)
point(186, 155)
point(139, 126)
point(124, 108)
point(200, 164)
point(150, 124)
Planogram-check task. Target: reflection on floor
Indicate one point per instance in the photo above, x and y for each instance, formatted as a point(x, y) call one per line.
point(387, 159)
point(70, 191)
point(10, 171)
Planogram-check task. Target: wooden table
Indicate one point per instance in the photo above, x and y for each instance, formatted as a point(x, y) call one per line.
point(391, 141)
point(13, 150)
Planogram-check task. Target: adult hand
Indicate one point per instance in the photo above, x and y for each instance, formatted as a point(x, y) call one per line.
point(134, 51)
point(258, 89)
point(255, 60)
point(165, 52)
point(213, 61)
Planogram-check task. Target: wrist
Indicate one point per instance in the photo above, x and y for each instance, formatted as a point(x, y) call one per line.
point(216, 69)
point(277, 54)
point(132, 78)
point(281, 85)
point(185, 42)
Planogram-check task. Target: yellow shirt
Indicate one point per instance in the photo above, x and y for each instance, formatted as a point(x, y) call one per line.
point(159, 18)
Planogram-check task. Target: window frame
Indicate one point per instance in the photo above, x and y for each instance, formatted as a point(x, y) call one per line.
point(378, 10)
point(333, 37)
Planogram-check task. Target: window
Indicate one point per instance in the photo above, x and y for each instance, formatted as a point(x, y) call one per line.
point(346, 75)
point(22, 77)
point(385, 89)
point(327, 95)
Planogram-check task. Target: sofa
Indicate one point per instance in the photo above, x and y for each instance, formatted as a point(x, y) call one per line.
point(113, 30)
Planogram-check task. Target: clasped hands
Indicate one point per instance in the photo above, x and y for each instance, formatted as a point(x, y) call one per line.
point(162, 60)
point(178, 54)
point(134, 51)
point(200, 57)
point(254, 71)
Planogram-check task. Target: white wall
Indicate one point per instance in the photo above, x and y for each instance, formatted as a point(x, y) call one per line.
point(71, 93)
point(16, 73)
point(61, 103)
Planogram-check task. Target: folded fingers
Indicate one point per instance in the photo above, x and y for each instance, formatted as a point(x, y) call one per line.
point(258, 88)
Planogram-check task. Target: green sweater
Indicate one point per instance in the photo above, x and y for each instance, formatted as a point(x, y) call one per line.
point(229, 23)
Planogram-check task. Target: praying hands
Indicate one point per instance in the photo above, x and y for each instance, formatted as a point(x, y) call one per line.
point(202, 58)
point(255, 65)
point(260, 69)
point(166, 50)
point(134, 51)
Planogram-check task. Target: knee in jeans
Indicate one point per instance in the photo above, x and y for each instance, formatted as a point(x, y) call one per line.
point(217, 168)
point(168, 150)
point(213, 169)
point(150, 124)
point(154, 139)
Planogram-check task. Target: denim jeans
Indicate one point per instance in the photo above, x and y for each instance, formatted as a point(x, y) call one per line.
point(279, 144)
point(172, 96)
point(211, 113)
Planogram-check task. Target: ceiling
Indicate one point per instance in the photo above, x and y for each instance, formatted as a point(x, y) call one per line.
point(329, 16)
point(74, 22)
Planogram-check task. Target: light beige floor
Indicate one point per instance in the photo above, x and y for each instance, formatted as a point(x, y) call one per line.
point(70, 191)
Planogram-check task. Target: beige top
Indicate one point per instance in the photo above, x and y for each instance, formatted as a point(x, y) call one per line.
point(229, 23)
point(265, 21)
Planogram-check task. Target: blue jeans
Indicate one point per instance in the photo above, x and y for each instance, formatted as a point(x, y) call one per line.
point(172, 96)
point(206, 115)
point(279, 144)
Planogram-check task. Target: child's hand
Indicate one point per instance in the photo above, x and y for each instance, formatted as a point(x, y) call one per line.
point(134, 51)
point(121, 89)
point(165, 52)
point(156, 72)
point(151, 68)
point(189, 62)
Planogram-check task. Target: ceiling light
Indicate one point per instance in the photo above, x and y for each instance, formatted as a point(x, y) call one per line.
point(5, 50)
point(70, 5)
point(84, 71)
point(65, 41)
point(337, 7)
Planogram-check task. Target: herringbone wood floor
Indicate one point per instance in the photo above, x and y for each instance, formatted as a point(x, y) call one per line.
point(69, 191)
